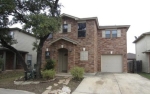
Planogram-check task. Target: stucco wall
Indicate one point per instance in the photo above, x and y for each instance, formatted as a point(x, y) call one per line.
point(24, 43)
point(141, 46)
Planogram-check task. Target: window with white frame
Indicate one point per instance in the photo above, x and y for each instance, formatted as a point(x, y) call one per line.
point(114, 33)
point(107, 33)
point(29, 60)
point(65, 28)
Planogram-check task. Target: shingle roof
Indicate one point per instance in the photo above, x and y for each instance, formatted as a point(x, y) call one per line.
point(141, 36)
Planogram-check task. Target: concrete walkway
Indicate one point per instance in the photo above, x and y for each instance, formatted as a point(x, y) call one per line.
point(114, 84)
point(12, 91)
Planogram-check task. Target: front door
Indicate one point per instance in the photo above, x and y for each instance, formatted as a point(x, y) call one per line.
point(63, 60)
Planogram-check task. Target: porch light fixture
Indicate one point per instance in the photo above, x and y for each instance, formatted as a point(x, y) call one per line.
point(46, 49)
point(111, 52)
point(62, 46)
point(64, 22)
point(83, 49)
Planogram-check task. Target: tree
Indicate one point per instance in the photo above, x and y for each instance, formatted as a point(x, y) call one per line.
point(27, 12)
point(41, 25)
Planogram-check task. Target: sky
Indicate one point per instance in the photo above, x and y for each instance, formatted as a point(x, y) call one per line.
point(113, 12)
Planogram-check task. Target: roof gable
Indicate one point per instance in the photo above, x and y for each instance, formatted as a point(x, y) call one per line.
point(64, 38)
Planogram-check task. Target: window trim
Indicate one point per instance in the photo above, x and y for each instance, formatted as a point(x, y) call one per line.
point(107, 34)
point(65, 29)
point(113, 34)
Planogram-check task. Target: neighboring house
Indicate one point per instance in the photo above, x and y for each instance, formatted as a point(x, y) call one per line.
point(142, 46)
point(131, 56)
point(23, 45)
point(82, 42)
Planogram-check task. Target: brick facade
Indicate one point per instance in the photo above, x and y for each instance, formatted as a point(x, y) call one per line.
point(93, 43)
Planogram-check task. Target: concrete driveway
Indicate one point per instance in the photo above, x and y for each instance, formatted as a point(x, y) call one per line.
point(114, 84)
point(12, 91)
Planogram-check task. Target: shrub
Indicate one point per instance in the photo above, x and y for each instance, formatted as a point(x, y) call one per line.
point(48, 74)
point(49, 65)
point(77, 73)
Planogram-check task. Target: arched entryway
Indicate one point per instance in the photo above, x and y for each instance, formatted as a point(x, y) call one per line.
point(63, 60)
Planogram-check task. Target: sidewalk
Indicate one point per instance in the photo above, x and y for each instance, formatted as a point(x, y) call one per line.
point(12, 91)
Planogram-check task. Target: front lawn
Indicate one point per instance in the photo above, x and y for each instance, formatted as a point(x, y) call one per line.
point(7, 81)
point(146, 75)
point(7, 77)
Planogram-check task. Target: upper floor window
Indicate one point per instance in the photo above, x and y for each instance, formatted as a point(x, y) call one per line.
point(81, 29)
point(114, 33)
point(107, 34)
point(65, 28)
point(111, 33)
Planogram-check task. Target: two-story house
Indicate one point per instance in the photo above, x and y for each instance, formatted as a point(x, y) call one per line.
point(82, 42)
point(23, 45)
point(142, 47)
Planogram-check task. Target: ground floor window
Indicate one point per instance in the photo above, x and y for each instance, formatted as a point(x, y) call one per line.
point(29, 60)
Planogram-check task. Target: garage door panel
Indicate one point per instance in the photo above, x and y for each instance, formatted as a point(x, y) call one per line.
point(111, 63)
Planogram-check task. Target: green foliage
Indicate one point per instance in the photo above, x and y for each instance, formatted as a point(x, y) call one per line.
point(48, 74)
point(50, 64)
point(1, 63)
point(6, 8)
point(77, 73)
point(42, 24)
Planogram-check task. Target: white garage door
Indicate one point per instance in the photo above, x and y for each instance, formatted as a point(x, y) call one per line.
point(111, 63)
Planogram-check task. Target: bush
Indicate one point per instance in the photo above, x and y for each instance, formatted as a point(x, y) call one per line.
point(48, 74)
point(1, 64)
point(49, 65)
point(77, 73)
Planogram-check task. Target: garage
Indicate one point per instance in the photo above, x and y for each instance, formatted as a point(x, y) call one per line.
point(111, 63)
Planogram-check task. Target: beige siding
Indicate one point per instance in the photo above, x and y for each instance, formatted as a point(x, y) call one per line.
point(141, 46)
point(25, 44)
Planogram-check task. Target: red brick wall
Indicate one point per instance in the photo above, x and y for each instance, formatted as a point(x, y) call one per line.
point(117, 45)
point(86, 42)
point(93, 42)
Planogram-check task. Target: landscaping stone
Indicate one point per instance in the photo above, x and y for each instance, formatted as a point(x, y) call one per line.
point(26, 82)
point(18, 82)
point(35, 82)
point(67, 81)
point(46, 92)
point(49, 88)
point(61, 81)
point(55, 84)
point(53, 92)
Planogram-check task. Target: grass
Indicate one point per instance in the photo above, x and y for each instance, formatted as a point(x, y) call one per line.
point(146, 75)
point(9, 76)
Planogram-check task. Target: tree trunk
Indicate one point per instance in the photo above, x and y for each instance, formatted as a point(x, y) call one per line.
point(39, 56)
point(39, 60)
point(19, 56)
